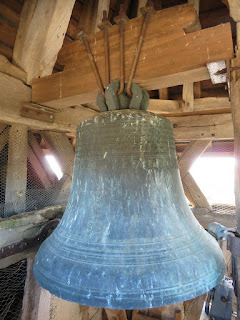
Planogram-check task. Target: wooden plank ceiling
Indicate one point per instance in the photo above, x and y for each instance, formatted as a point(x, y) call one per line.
point(76, 84)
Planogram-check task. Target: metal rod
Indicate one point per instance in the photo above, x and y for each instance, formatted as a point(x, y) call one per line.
point(106, 48)
point(94, 66)
point(137, 53)
point(122, 74)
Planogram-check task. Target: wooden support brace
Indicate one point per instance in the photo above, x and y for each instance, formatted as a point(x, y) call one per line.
point(61, 147)
point(16, 181)
point(41, 157)
point(40, 35)
point(193, 150)
point(192, 191)
point(35, 163)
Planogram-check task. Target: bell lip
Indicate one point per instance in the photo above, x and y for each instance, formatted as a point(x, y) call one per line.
point(126, 303)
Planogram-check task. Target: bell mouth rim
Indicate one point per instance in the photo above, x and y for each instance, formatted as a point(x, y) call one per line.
point(113, 301)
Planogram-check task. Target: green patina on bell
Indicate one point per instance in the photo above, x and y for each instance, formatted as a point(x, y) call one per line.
point(128, 239)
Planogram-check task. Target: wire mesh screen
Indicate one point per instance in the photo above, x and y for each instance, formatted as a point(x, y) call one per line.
point(4, 135)
point(33, 185)
point(12, 281)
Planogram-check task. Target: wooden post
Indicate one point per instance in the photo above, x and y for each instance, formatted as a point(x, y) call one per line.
point(39, 304)
point(193, 308)
point(16, 181)
point(194, 194)
point(163, 93)
point(188, 88)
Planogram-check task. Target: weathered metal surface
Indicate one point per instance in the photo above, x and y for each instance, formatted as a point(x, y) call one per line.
point(233, 243)
point(83, 36)
point(128, 239)
point(218, 231)
point(219, 301)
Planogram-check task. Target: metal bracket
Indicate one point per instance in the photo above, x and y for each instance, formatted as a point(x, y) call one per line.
point(233, 243)
point(218, 231)
point(219, 301)
point(29, 243)
point(38, 112)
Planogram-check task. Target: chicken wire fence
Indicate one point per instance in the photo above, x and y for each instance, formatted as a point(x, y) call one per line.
point(12, 281)
point(42, 187)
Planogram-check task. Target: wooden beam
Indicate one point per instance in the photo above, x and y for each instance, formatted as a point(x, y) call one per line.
point(199, 127)
point(197, 74)
point(40, 35)
point(77, 82)
point(27, 224)
point(194, 150)
point(61, 147)
point(234, 9)
point(188, 88)
point(36, 165)
point(185, 128)
point(14, 93)
point(209, 105)
point(194, 193)
point(163, 94)
point(16, 181)
point(10, 69)
point(41, 157)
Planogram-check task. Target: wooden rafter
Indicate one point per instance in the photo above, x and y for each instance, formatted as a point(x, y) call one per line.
point(40, 35)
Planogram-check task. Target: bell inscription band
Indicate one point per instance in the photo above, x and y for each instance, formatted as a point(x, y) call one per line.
point(128, 239)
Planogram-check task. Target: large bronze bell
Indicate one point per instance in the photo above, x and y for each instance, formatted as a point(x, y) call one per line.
point(128, 239)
